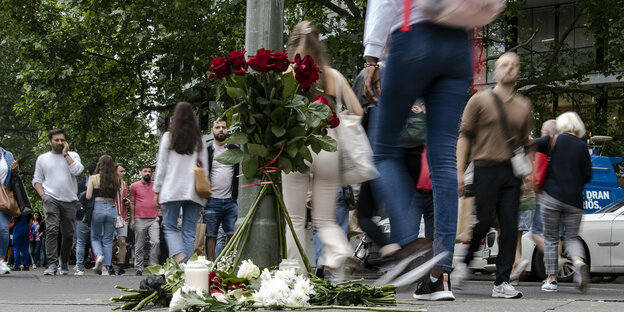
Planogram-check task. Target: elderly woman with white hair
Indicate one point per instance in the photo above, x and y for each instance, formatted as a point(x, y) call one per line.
point(569, 169)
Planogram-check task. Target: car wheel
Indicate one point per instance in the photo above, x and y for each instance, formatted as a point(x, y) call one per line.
point(566, 269)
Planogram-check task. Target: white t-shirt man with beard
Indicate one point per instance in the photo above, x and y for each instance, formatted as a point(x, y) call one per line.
point(221, 209)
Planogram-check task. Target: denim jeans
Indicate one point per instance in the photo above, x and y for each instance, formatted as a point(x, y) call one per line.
point(102, 229)
point(434, 63)
point(220, 243)
point(34, 249)
point(20, 250)
point(83, 232)
point(342, 219)
point(5, 220)
point(220, 212)
point(185, 241)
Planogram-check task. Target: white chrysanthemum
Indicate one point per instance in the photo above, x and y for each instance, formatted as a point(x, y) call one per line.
point(248, 270)
point(304, 286)
point(266, 275)
point(286, 275)
point(297, 298)
point(177, 301)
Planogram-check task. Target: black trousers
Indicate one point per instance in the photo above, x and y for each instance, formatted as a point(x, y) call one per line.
point(497, 194)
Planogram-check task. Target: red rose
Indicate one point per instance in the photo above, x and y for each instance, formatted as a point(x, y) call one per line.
point(219, 67)
point(306, 71)
point(280, 62)
point(260, 61)
point(214, 282)
point(321, 100)
point(237, 60)
point(333, 121)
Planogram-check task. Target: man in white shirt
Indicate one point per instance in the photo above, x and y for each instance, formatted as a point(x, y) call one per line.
point(55, 181)
point(221, 208)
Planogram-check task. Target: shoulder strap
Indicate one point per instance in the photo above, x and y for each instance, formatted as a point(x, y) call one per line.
point(503, 119)
point(339, 91)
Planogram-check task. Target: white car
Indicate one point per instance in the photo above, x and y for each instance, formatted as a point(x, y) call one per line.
point(602, 234)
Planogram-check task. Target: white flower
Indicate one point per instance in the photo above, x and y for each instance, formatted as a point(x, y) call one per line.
point(219, 297)
point(177, 301)
point(303, 285)
point(297, 298)
point(248, 270)
point(266, 275)
point(286, 275)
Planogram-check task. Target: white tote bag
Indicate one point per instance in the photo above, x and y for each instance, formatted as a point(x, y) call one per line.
point(462, 13)
point(356, 155)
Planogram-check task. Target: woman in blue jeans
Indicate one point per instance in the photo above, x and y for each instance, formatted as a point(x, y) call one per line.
point(8, 168)
point(103, 187)
point(174, 182)
point(432, 62)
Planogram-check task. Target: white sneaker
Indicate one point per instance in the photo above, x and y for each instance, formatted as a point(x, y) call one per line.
point(4, 267)
point(105, 272)
point(549, 286)
point(460, 273)
point(98, 264)
point(518, 270)
point(79, 272)
point(34, 266)
point(506, 291)
point(582, 276)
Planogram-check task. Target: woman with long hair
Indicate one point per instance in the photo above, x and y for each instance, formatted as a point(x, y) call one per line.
point(8, 169)
point(121, 228)
point(103, 187)
point(323, 180)
point(35, 244)
point(174, 184)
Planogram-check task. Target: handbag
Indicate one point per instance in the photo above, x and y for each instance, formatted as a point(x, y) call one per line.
point(356, 154)
point(541, 166)
point(520, 163)
point(8, 204)
point(202, 184)
point(462, 13)
point(20, 194)
point(200, 238)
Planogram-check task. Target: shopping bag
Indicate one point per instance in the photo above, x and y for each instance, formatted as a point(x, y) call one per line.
point(200, 239)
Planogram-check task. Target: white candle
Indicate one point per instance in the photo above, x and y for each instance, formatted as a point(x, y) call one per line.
point(196, 274)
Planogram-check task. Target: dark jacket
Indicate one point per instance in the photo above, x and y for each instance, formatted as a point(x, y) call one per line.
point(19, 191)
point(569, 168)
point(235, 168)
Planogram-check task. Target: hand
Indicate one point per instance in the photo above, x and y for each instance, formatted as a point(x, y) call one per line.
point(372, 79)
point(15, 166)
point(460, 182)
point(65, 148)
point(156, 200)
point(132, 224)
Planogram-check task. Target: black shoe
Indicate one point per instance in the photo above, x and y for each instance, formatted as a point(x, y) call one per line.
point(24, 268)
point(440, 290)
point(320, 272)
point(121, 271)
point(15, 268)
point(111, 270)
point(139, 273)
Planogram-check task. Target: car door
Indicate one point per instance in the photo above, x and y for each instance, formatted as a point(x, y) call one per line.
point(617, 240)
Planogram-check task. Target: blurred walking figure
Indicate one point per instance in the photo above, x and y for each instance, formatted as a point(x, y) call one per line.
point(174, 183)
point(8, 169)
point(494, 124)
point(323, 180)
point(144, 219)
point(83, 223)
point(55, 182)
point(121, 223)
point(569, 169)
point(103, 187)
point(431, 62)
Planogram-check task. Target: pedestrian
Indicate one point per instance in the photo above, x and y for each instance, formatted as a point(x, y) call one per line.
point(431, 62)
point(103, 187)
point(21, 256)
point(174, 183)
point(35, 238)
point(83, 223)
point(526, 213)
point(8, 169)
point(569, 169)
point(121, 222)
point(144, 219)
point(55, 182)
point(324, 178)
point(221, 209)
point(496, 188)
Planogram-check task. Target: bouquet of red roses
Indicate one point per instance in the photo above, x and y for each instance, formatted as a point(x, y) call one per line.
point(268, 107)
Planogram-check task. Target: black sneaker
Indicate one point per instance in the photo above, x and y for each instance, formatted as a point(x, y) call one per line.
point(440, 290)
point(121, 271)
point(139, 273)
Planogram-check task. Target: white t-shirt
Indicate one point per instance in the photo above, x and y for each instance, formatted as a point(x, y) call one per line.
point(4, 169)
point(57, 177)
point(220, 175)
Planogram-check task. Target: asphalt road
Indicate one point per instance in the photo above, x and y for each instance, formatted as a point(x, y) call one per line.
point(32, 291)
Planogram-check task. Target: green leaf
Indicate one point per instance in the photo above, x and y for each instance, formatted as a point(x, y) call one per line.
point(279, 116)
point(256, 149)
point(300, 116)
point(321, 111)
point(290, 84)
point(327, 143)
point(230, 157)
point(235, 93)
point(285, 164)
point(291, 150)
point(249, 166)
point(261, 100)
point(278, 130)
point(296, 132)
point(304, 151)
point(237, 138)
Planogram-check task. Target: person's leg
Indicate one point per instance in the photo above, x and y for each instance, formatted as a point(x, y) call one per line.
point(550, 217)
point(318, 247)
point(24, 250)
point(571, 218)
point(425, 200)
point(220, 241)
point(365, 211)
point(5, 221)
point(295, 189)
point(83, 233)
point(507, 211)
point(342, 212)
point(121, 243)
point(537, 228)
point(190, 215)
point(97, 230)
point(213, 214)
point(109, 231)
point(154, 239)
point(486, 187)
point(68, 221)
point(170, 228)
point(52, 212)
point(229, 219)
point(141, 226)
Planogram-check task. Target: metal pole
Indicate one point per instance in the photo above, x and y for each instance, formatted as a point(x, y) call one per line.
point(264, 29)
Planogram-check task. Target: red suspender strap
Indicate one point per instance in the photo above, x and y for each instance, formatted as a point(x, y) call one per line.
point(407, 9)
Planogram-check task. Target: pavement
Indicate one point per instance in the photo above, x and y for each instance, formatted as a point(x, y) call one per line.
point(32, 291)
